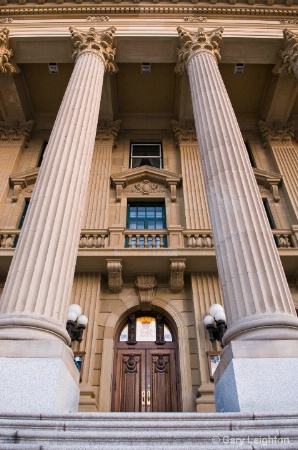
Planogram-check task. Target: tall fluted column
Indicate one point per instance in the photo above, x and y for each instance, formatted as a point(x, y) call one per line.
point(255, 291)
point(279, 139)
point(38, 288)
point(256, 296)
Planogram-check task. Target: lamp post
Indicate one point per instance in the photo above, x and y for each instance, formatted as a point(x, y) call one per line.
point(215, 323)
point(76, 323)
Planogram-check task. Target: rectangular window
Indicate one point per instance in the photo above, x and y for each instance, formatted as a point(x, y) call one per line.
point(146, 216)
point(142, 154)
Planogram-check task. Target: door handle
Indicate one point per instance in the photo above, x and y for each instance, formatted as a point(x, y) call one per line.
point(148, 395)
point(143, 397)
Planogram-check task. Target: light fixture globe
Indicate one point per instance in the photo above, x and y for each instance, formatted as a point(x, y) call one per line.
point(82, 321)
point(214, 309)
point(76, 309)
point(208, 320)
point(71, 316)
point(220, 315)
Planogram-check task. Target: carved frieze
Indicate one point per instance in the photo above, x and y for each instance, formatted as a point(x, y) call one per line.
point(193, 42)
point(277, 133)
point(185, 132)
point(16, 131)
point(6, 66)
point(145, 187)
point(98, 18)
point(100, 43)
point(177, 268)
point(6, 20)
point(108, 132)
point(192, 19)
point(114, 268)
point(146, 288)
point(289, 56)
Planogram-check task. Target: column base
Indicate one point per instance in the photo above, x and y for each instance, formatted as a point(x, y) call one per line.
point(38, 377)
point(257, 376)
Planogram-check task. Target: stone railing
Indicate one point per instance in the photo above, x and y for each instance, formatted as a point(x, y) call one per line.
point(283, 238)
point(198, 239)
point(147, 239)
point(94, 239)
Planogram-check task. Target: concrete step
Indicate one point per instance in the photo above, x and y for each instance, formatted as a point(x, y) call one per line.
point(162, 431)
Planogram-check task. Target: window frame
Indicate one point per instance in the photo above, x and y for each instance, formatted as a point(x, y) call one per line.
point(144, 144)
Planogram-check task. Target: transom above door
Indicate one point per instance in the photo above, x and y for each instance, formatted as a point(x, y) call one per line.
point(146, 370)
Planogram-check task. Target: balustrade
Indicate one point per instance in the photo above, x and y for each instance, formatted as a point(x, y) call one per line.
point(154, 239)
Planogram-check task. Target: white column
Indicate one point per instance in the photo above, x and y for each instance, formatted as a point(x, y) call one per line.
point(256, 296)
point(38, 288)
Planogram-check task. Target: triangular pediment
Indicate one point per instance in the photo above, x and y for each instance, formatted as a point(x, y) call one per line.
point(152, 174)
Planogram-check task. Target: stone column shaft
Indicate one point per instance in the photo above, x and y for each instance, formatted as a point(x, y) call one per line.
point(38, 288)
point(255, 291)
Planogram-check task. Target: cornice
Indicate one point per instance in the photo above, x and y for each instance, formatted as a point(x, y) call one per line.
point(223, 8)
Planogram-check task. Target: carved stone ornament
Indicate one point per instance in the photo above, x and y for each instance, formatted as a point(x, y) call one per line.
point(6, 53)
point(177, 268)
point(16, 131)
point(289, 21)
point(196, 42)
point(146, 180)
point(108, 131)
point(146, 288)
point(98, 18)
point(185, 132)
point(20, 181)
point(195, 19)
point(277, 133)
point(6, 20)
point(99, 43)
point(145, 187)
point(114, 268)
point(269, 180)
point(289, 56)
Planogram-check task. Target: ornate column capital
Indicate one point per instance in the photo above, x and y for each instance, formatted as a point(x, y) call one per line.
point(193, 42)
point(98, 43)
point(277, 133)
point(289, 56)
point(15, 131)
point(185, 133)
point(107, 132)
point(6, 53)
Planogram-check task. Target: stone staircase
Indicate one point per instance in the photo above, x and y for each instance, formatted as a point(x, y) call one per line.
point(159, 431)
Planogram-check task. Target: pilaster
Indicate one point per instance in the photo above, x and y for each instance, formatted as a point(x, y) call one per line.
point(279, 138)
point(194, 194)
point(97, 202)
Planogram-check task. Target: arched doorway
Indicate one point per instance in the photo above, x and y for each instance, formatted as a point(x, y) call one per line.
point(146, 375)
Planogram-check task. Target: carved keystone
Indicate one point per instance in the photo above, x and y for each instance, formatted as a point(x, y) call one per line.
point(146, 288)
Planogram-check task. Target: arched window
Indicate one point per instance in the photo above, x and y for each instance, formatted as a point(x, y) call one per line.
point(146, 329)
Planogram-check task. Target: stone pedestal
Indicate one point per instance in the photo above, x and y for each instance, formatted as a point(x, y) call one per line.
point(257, 376)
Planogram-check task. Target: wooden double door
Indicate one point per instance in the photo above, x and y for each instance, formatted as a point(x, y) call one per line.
point(146, 378)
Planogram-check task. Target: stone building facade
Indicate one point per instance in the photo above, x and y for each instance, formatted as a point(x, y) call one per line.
point(104, 190)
